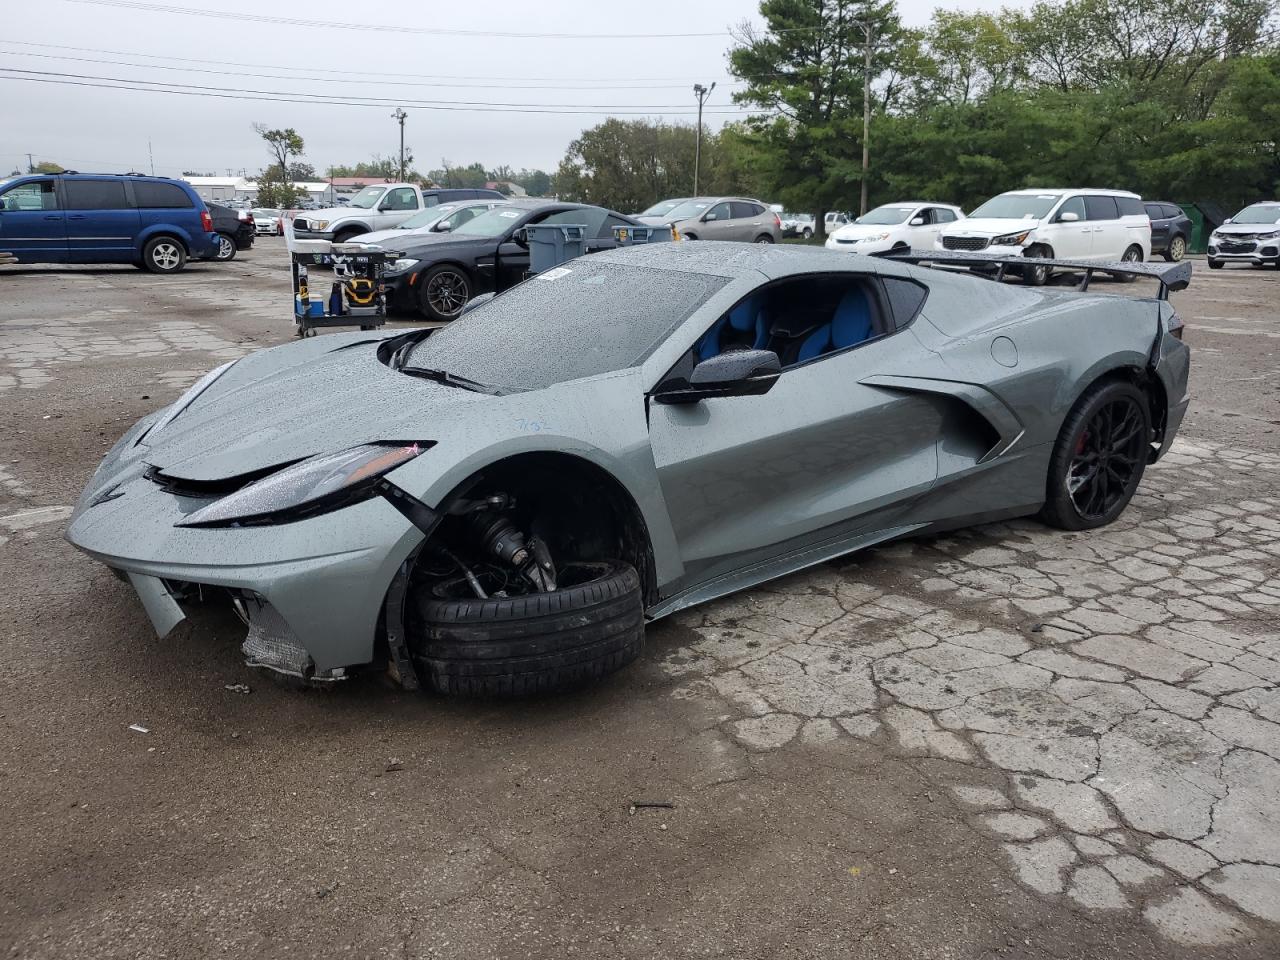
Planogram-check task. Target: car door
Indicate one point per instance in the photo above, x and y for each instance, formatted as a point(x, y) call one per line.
point(819, 456)
point(102, 221)
point(1109, 239)
point(1070, 239)
point(1159, 225)
point(33, 226)
point(922, 236)
point(747, 219)
point(396, 206)
point(717, 223)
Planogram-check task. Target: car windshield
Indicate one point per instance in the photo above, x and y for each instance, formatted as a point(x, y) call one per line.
point(663, 208)
point(427, 217)
point(1018, 206)
point(886, 215)
point(1258, 213)
point(690, 208)
point(570, 322)
point(367, 197)
point(265, 212)
point(492, 224)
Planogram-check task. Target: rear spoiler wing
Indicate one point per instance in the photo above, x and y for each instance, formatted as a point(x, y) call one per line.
point(1172, 276)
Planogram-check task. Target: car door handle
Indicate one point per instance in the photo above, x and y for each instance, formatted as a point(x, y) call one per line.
point(52, 216)
point(76, 216)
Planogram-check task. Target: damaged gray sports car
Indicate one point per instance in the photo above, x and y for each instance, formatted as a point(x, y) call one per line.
point(500, 506)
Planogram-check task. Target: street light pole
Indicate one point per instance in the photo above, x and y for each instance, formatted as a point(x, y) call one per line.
point(869, 29)
point(400, 115)
point(701, 93)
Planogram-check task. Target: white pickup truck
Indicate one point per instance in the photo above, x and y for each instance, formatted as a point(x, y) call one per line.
point(379, 206)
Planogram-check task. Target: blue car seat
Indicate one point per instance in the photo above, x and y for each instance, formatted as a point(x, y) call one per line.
point(746, 326)
point(850, 325)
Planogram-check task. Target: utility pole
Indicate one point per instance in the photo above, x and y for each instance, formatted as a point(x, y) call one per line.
point(400, 116)
point(701, 93)
point(869, 30)
point(31, 167)
point(152, 156)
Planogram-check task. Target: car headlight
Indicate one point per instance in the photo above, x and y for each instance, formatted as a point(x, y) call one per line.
point(1269, 236)
point(307, 488)
point(403, 264)
point(1011, 239)
point(317, 224)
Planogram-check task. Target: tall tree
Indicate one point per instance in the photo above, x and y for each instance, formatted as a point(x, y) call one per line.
point(281, 144)
point(805, 71)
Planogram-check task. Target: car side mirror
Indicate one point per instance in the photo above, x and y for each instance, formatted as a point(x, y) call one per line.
point(1068, 217)
point(444, 226)
point(917, 222)
point(1226, 221)
point(708, 217)
point(737, 373)
point(521, 237)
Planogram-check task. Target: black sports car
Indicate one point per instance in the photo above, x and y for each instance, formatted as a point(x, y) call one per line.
point(235, 228)
point(439, 273)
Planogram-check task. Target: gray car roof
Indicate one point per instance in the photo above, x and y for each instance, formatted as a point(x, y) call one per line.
point(721, 258)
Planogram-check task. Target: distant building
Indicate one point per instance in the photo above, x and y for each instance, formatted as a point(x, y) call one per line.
point(244, 188)
point(509, 187)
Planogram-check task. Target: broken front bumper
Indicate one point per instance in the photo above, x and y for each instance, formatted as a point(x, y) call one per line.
point(324, 578)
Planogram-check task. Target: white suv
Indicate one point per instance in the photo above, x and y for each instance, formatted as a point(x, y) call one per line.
point(1078, 224)
point(895, 226)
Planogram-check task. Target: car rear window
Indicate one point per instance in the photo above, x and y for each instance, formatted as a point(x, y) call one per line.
point(94, 194)
point(151, 195)
point(574, 321)
point(1130, 207)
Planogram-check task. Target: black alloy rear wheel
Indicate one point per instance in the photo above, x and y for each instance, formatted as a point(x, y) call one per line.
point(1099, 458)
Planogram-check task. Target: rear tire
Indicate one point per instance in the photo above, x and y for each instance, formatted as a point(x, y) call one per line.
point(226, 248)
point(1215, 264)
point(1177, 249)
point(764, 238)
point(164, 255)
point(539, 643)
point(1132, 255)
point(806, 233)
point(1099, 457)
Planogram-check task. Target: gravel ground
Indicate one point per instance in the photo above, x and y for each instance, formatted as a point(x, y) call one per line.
point(1008, 741)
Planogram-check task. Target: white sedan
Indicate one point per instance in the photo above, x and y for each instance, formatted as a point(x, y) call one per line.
point(441, 218)
point(895, 226)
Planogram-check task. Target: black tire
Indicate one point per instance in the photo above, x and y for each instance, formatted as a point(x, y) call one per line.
point(1108, 429)
point(443, 292)
point(1039, 275)
point(342, 236)
point(226, 248)
point(1177, 248)
point(1215, 264)
point(164, 255)
point(1131, 255)
point(764, 238)
point(806, 233)
point(689, 236)
point(540, 643)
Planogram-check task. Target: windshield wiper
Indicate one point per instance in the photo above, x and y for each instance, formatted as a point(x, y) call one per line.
point(450, 380)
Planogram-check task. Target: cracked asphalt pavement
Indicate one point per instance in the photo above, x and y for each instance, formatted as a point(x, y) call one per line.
point(1005, 741)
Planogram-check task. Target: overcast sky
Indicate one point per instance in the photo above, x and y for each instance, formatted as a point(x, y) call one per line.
point(402, 56)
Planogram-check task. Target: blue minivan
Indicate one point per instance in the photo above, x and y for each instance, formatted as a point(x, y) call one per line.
point(152, 222)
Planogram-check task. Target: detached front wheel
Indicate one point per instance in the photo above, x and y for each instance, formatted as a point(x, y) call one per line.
point(536, 643)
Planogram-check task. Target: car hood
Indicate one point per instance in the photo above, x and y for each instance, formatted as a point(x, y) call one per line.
point(990, 226)
point(286, 404)
point(418, 245)
point(1249, 228)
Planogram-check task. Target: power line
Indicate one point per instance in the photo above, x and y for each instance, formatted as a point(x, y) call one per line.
point(344, 72)
point(345, 80)
point(169, 85)
point(392, 28)
point(113, 84)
